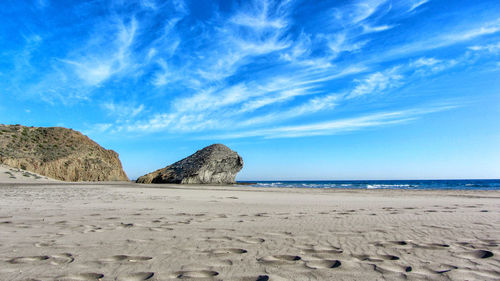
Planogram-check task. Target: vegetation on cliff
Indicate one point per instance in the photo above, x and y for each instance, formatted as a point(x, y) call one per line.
point(58, 153)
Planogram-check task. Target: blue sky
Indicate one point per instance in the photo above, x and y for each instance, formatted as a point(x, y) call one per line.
point(368, 89)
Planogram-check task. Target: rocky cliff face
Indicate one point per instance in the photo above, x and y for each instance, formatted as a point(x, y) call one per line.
point(58, 153)
point(214, 164)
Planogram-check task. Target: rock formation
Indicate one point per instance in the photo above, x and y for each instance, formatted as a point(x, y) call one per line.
point(58, 153)
point(214, 164)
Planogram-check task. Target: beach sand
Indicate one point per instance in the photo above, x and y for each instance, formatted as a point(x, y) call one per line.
point(15, 175)
point(123, 231)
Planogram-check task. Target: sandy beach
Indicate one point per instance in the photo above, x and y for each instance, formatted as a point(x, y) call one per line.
point(123, 231)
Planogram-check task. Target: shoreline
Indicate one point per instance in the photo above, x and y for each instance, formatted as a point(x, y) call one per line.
point(236, 187)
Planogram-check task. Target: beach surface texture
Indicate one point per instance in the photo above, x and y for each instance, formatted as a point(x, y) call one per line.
point(122, 231)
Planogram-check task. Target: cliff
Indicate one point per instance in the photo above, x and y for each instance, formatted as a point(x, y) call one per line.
point(58, 153)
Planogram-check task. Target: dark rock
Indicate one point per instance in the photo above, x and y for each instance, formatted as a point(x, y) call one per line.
point(214, 164)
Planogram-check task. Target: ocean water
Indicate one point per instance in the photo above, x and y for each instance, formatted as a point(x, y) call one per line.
point(386, 184)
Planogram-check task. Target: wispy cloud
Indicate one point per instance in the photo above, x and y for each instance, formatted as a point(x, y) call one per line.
point(414, 4)
point(150, 4)
point(176, 67)
point(425, 62)
point(492, 48)
point(457, 36)
point(376, 83)
point(427, 66)
point(257, 29)
point(96, 67)
point(313, 105)
point(226, 107)
point(356, 12)
point(486, 29)
point(123, 110)
point(338, 125)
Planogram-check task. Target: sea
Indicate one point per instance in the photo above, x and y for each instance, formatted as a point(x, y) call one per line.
point(493, 184)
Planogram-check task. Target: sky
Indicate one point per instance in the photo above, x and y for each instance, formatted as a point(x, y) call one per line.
point(306, 89)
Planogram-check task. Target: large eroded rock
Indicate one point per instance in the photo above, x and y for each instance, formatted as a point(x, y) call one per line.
point(58, 153)
point(214, 164)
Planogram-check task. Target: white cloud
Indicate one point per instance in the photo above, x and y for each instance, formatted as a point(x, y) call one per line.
point(257, 29)
point(486, 29)
point(238, 70)
point(376, 83)
point(358, 11)
point(338, 125)
point(329, 75)
point(425, 62)
point(220, 107)
point(339, 43)
point(102, 127)
point(212, 99)
point(492, 48)
point(416, 3)
point(378, 28)
point(440, 41)
point(150, 4)
point(427, 66)
point(123, 110)
point(157, 123)
point(164, 76)
point(272, 99)
point(96, 65)
point(301, 48)
point(313, 105)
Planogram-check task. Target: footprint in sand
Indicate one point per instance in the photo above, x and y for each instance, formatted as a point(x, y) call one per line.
point(81, 277)
point(478, 254)
point(251, 240)
point(434, 246)
point(258, 278)
point(137, 276)
point(218, 239)
point(188, 274)
point(317, 264)
point(380, 258)
point(440, 269)
point(125, 258)
point(32, 259)
point(45, 244)
point(160, 229)
point(92, 228)
point(280, 259)
point(62, 259)
point(323, 250)
point(392, 268)
point(490, 242)
point(125, 225)
point(397, 243)
point(220, 263)
point(228, 251)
